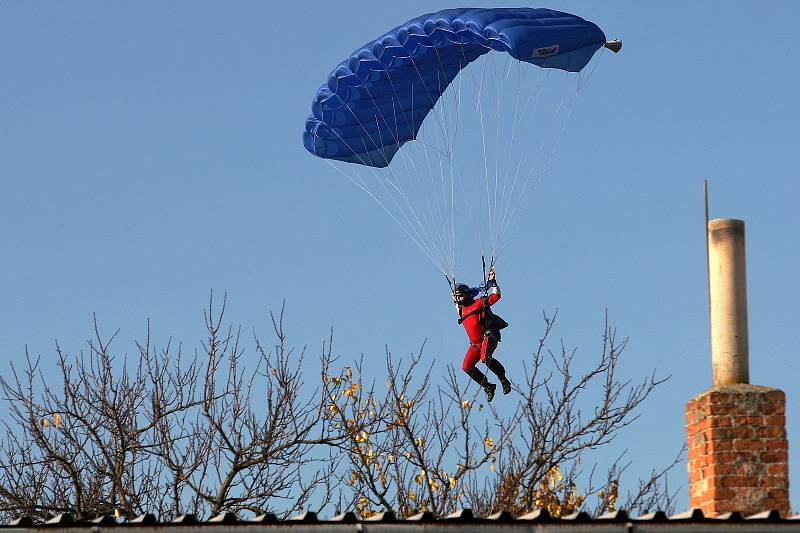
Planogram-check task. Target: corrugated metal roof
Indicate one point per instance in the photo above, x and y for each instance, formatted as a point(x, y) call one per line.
point(387, 522)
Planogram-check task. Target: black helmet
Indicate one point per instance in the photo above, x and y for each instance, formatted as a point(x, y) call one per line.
point(462, 288)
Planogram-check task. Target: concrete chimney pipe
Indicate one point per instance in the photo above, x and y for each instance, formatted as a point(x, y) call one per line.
point(728, 302)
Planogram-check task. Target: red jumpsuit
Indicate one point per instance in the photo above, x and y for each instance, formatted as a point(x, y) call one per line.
point(480, 345)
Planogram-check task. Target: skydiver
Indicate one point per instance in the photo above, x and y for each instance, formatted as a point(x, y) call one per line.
point(483, 329)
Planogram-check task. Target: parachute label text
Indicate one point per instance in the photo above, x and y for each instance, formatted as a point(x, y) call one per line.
point(547, 51)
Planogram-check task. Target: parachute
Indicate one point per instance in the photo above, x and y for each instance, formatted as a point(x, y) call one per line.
point(380, 97)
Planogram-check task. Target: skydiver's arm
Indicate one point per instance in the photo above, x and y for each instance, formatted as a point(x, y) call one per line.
point(494, 290)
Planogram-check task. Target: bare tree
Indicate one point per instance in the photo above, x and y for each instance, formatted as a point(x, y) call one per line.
point(554, 426)
point(85, 446)
point(433, 452)
point(258, 431)
point(227, 430)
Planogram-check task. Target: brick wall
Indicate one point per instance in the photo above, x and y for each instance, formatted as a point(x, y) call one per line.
point(738, 452)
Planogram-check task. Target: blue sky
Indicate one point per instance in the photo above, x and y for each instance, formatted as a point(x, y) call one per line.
point(151, 152)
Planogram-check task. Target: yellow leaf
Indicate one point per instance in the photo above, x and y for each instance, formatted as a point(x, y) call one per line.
point(488, 442)
point(57, 420)
point(45, 422)
point(465, 404)
point(411, 495)
point(419, 441)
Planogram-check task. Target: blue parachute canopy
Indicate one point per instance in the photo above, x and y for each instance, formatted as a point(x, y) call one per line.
point(377, 98)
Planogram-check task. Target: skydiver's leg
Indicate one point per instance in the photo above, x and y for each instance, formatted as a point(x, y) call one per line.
point(470, 360)
point(497, 368)
point(477, 376)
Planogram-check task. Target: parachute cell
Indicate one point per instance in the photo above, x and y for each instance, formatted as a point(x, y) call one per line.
point(377, 99)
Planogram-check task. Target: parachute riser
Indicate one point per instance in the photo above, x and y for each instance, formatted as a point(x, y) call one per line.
point(485, 282)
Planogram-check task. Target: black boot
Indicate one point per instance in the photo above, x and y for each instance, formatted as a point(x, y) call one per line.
point(489, 389)
point(480, 378)
point(499, 370)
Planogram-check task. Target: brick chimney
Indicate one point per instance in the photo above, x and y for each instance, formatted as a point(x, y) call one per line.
point(736, 432)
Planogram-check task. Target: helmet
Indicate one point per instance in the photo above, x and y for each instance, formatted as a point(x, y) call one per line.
point(462, 288)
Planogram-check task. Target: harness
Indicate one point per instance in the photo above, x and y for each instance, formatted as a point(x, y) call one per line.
point(491, 323)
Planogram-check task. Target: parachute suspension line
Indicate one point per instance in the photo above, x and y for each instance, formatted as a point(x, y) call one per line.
point(450, 139)
point(477, 84)
point(427, 90)
point(498, 119)
point(491, 197)
point(442, 124)
point(584, 80)
point(491, 192)
point(423, 227)
point(452, 162)
point(423, 223)
point(450, 150)
point(536, 91)
point(551, 154)
point(441, 203)
point(514, 129)
point(380, 203)
point(508, 193)
point(439, 208)
point(479, 105)
point(419, 229)
point(422, 240)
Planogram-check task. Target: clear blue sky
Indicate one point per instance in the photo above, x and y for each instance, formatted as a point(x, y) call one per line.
point(151, 151)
